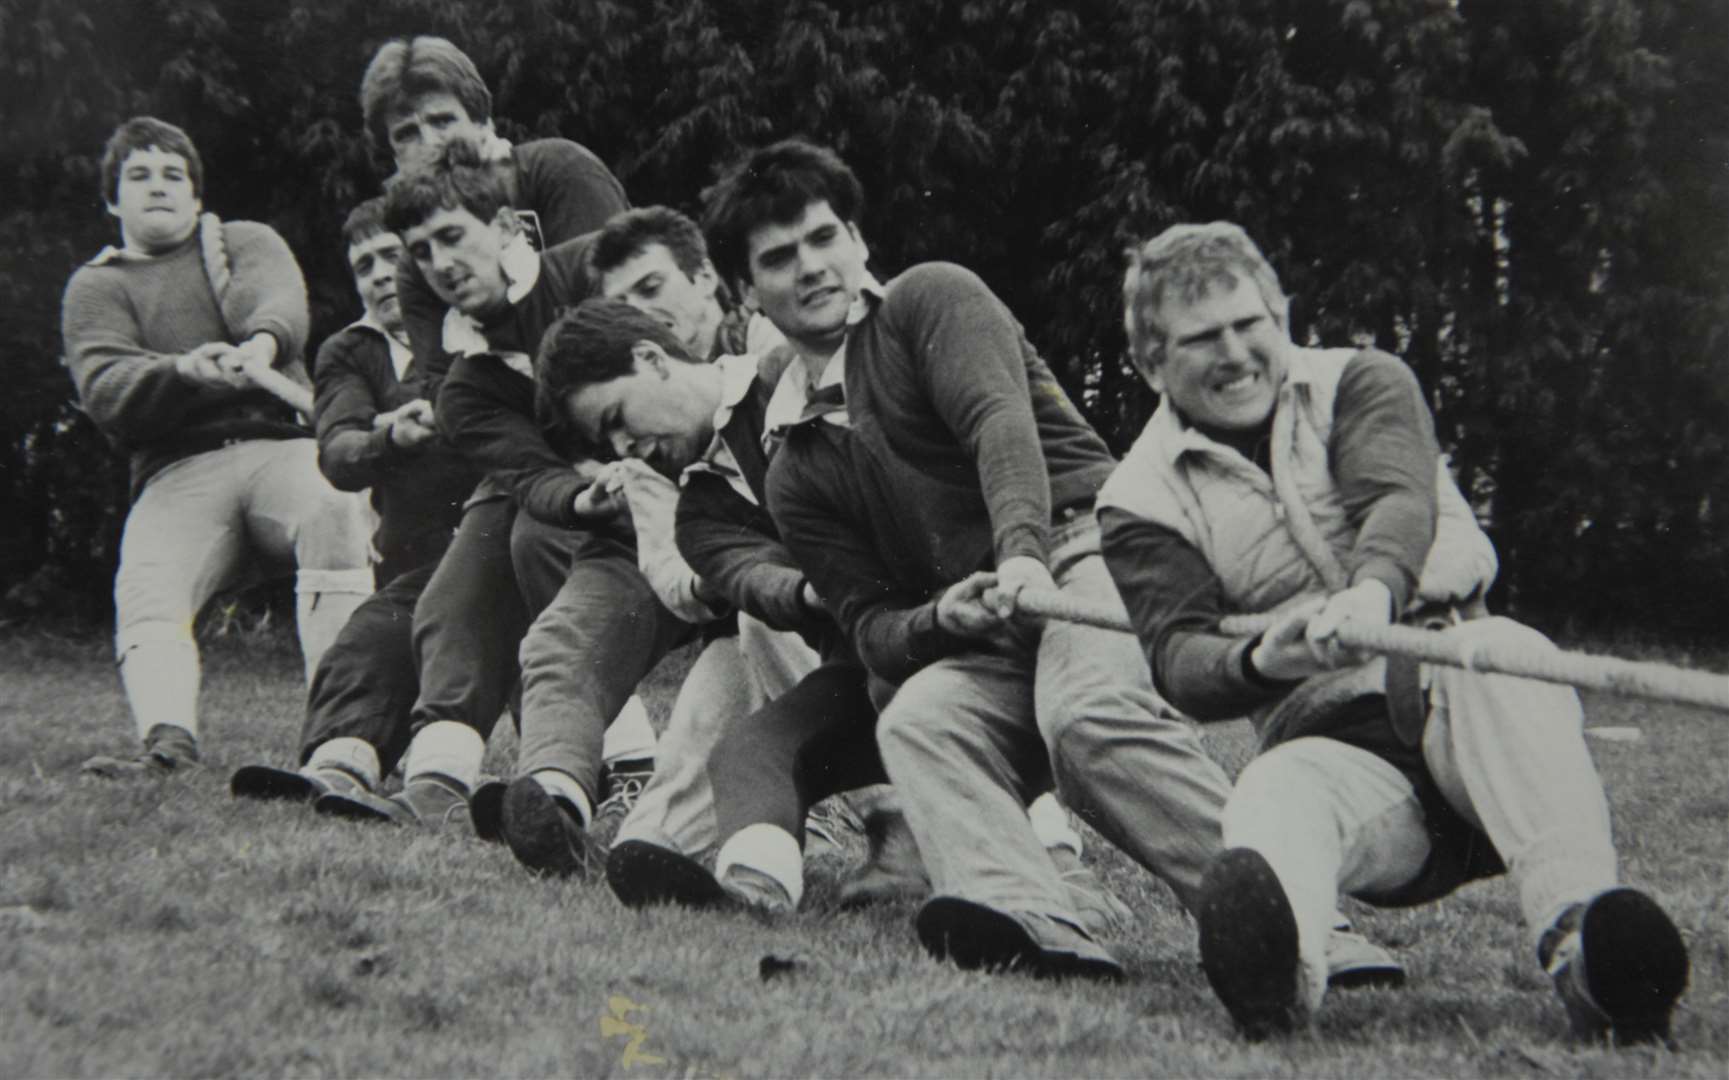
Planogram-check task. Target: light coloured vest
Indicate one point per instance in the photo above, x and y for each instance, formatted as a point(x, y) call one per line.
point(1252, 534)
point(1275, 544)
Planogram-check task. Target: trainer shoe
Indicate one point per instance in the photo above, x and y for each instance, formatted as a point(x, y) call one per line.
point(641, 874)
point(167, 748)
point(760, 892)
point(430, 800)
point(294, 785)
point(544, 834)
point(1355, 962)
point(486, 808)
point(893, 869)
point(974, 936)
point(1619, 965)
point(1100, 910)
point(621, 785)
point(829, 826)
point(1249, 946)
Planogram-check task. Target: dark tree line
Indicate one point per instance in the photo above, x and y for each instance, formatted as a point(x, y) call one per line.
point(1528, 201)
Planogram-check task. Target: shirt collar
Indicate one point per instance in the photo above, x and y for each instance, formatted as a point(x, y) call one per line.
point(521, 266)
point(787, 404)
point(400, 354)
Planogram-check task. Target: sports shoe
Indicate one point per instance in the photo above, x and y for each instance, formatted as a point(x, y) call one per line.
point(167, 748)
point(544, 835)
point(757, 891)
point(893, 869)
point(1354, 962)
point(1249, 946)
point(829, 826)
point(974, 936)
point(1619, 965)
point(641, 873)
point(294, 785)
point(486, 809)
point(430, 800)
point(622, 785)
point(1100, 910)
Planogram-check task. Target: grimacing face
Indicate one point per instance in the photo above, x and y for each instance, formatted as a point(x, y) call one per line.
point(656, 414)
point(1225, 356)
point(420, 131)
point(462, 257)
point(374, 261)
point(805, 274)
point(154, 200)
point(652, 282)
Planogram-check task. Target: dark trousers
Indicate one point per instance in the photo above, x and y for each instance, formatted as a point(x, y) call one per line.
point(440, 643)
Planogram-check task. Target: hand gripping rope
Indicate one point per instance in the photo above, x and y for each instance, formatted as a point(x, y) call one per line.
point(1631, 678)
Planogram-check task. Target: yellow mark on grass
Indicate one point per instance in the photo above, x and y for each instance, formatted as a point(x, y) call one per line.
point(615, 1023)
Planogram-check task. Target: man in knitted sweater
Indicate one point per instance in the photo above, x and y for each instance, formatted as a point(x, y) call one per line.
point(172, 339)
point(1307, 484)
point(957, 473)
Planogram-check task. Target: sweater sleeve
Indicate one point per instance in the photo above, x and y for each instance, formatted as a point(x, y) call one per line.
point(266, 293)
point(500, 435)
point(968, 350)
point(1383, 454)
point(1175, 602)
point(732, 547)
point(132, 393)
point(895, 634)
point(351, 454)
point(568, 187)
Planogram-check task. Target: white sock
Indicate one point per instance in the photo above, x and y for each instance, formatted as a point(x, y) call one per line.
point(447, 748)
point(1051, 824)
point(351, 755)
point(561, 785)
point(767, 849)
point(630, 735)
point(161, 680)
point(323, 601)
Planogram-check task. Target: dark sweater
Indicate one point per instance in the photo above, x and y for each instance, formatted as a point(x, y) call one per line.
point(487, 409)
point(1382, 453)
point(418, 492)
point(126, 318)
point(559, 189)
point(962, 447)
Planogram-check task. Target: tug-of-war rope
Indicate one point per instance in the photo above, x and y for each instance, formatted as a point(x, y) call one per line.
point(1631, 678)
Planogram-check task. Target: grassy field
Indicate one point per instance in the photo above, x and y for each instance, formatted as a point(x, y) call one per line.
point(163, 928)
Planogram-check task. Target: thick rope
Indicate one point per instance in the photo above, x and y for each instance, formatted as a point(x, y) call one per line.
point(1631, 678)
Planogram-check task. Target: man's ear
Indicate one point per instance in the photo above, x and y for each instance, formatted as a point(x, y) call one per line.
point(647, 353)
point(505, 219)
point(707, 280)
point(863, 248)
point(747, 295)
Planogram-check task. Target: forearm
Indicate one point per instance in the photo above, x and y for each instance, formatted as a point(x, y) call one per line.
point(1175, 603)
point(266, 293)
point(730, 544)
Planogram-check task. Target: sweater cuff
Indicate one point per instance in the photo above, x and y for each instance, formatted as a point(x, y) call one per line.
point(1019, 540)
point(1252, 675)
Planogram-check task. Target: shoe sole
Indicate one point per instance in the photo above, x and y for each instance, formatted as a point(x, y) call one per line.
point(1249, 944)
point(1367, 975)
point(974, 937)
point(360, 807)
point(486, 809)
point(539, 834)
point(643, 874)
point(272, 784)
point(1636, 964)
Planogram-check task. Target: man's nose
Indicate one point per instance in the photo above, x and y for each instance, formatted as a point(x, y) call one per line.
point(440, 257)
point(1233, 345)
point(623, 445)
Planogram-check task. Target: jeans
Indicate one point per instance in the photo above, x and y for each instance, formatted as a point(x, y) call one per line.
point(970, 740)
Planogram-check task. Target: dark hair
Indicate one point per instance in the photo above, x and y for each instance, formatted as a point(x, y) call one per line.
point(364, 222)
point(459, 179)
point(630, 232)
point(405, 68)
point(144, 133)
point(773, 185)
point(592, 343)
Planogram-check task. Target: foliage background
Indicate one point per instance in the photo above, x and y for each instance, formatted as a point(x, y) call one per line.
point(1528, 201)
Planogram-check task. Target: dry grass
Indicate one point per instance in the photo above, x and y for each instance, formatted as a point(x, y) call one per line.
point(166, 929)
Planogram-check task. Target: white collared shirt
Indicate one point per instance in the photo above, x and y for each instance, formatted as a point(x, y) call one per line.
point(462, 335)
point(737, 373)
point(787, 403)
point(400, 354)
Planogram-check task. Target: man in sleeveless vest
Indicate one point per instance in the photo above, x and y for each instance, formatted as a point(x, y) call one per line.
point(1307, 483)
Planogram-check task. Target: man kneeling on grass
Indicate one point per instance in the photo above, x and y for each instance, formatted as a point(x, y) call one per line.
point(1307, 483)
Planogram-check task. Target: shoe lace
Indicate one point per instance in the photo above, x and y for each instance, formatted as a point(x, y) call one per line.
point(626, 789)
